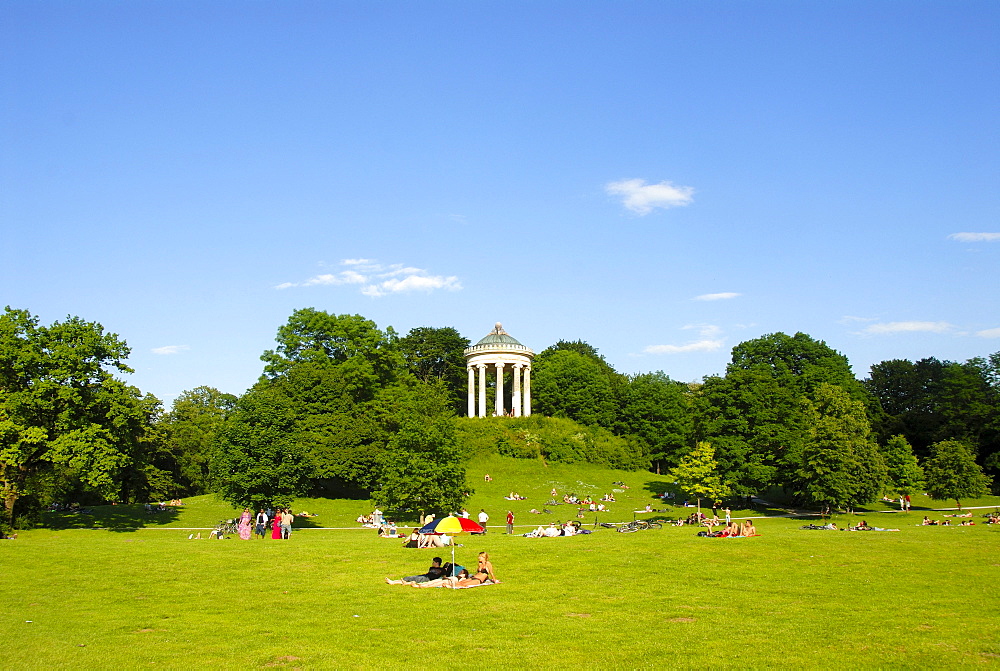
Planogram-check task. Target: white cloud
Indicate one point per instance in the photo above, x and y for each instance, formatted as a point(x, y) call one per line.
point(726, 295)
point(975, 237)
point(412, 283)
point(169, 349)
point(908, 327)
point(643, 198)
point(699, 346)
point(989, 333)
point(704, 330)
point(851, 319)
point(376, 279)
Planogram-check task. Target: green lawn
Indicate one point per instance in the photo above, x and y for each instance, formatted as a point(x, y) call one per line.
point(143, 595)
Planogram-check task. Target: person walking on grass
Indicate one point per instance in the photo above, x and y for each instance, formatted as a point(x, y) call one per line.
point(510, 522)
point(483, 518)
point(261, 524)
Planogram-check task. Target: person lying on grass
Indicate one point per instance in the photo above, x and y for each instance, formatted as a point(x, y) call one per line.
point(433, 573)
point(445, 581)
point(863, 526)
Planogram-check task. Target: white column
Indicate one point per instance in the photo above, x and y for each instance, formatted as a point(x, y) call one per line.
point(499, 405)
point(516, 400)
point(527, 391)
point(472, 391)
point(482, 390)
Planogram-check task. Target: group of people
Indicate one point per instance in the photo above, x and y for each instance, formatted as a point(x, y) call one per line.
point(279, 520)
point(514, 496)
point(927, 522)
point(418, 540)
point(732, 529)
point(570, 528)
point(451, 575)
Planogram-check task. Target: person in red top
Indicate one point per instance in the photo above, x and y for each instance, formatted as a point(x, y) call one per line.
point(510, 522)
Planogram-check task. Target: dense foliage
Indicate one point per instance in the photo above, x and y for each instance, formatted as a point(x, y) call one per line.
point(67, 425)
point(344, 408)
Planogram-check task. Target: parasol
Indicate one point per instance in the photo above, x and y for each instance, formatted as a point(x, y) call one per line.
point(452, 526)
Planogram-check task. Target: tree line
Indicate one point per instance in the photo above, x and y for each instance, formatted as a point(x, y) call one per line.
point(344, 408)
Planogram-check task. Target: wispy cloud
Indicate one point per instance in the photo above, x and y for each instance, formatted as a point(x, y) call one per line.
point(851, 319)
point(726, 295)
point(908, 327)
point(169, 349)
point(975, 237)
point(376, 279)
point(643, 198)
point(704, 330)
point(989, 333)
point(698, 346)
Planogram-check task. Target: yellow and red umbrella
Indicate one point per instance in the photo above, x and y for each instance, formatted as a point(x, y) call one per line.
point(452, 526)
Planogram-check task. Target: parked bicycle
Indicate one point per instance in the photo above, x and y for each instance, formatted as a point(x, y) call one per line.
point(638, 525)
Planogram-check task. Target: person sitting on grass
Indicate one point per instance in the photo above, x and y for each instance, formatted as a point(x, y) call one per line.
point(484, 573)
point(413, 540)
point(750, 530)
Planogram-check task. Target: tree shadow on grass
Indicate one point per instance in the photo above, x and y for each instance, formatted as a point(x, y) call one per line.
point(123, 518)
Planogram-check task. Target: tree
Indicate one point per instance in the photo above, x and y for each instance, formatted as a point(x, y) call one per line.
point(190, 430)
point(904, 473)
point(930, 400)
point(62, 412)
point(368, 357)
point(438, 354)
point(798, 362)
point(841, 465)
point(757, 426)
point(421, 468)
point(257, 460)
point(952, 473)
point(697, 475)
point(656, 409)
point(568, 384)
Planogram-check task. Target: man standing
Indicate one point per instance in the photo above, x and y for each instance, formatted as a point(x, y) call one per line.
point(286, 523)
point(510, 522)
point(483, 518)
point(261, 524)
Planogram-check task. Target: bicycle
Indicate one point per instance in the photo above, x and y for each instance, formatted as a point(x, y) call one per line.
point(638, 525)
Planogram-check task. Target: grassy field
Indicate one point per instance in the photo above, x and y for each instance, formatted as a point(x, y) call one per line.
point(140, 594)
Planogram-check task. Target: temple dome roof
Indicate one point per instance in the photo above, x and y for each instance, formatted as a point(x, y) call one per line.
point(498, 337)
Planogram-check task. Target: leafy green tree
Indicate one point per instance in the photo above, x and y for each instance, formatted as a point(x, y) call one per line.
point(930, 400)
point(421, 468)
point(438, 354)
point(757, 426)
point(697, 475)
point(951, 472)
point(257, 459)
point(905, 476)
point(841, 464)
point(657, 410)
point(568, 384)
point(62, 412)
point(190, 430)
point(368, 358)
point(797, 362)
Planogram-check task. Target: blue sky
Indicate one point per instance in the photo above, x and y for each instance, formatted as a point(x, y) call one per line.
point(661, 179)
